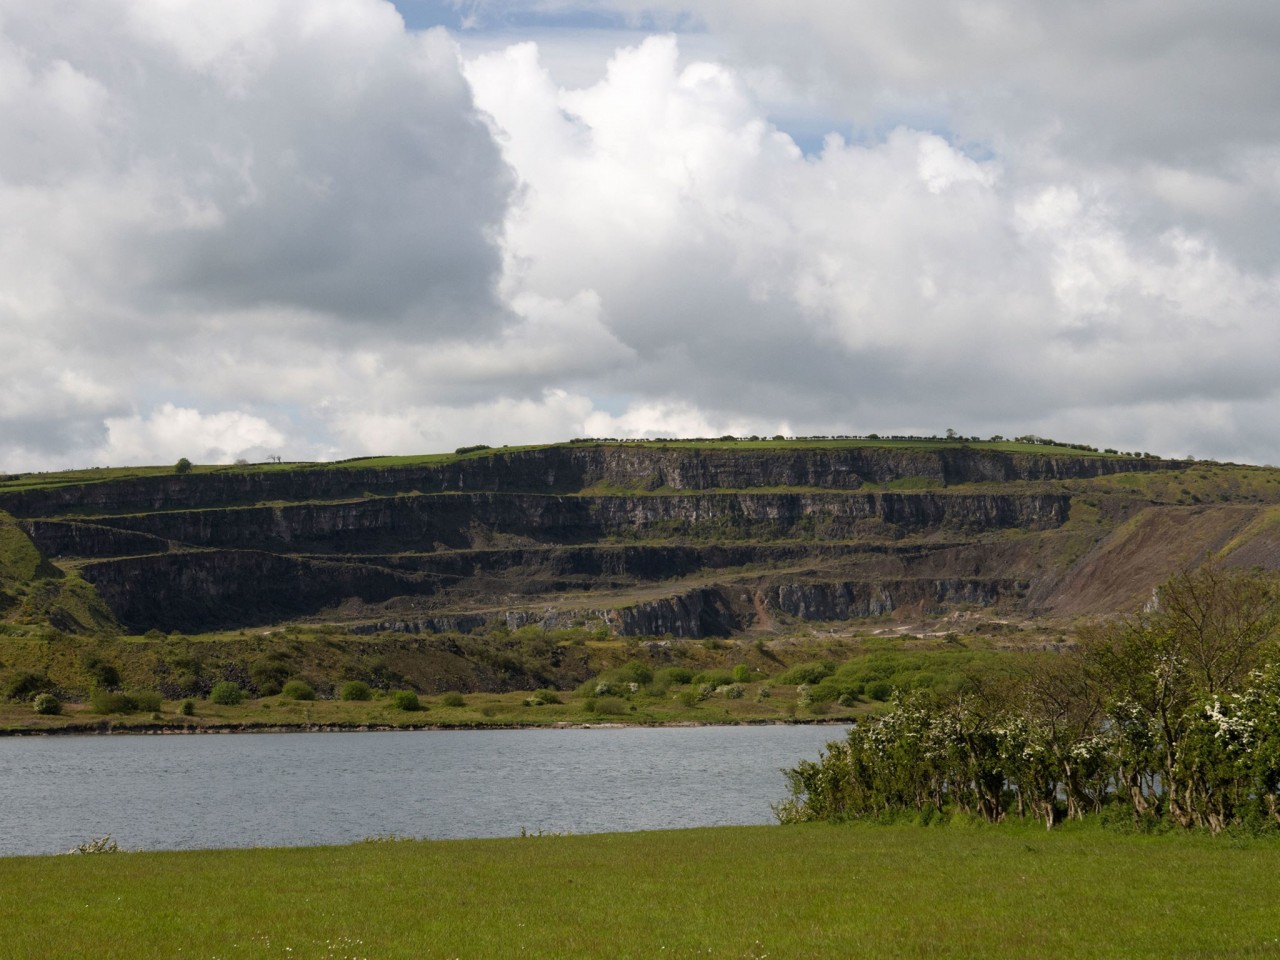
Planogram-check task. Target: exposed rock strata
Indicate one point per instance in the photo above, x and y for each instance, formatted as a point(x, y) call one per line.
point(570, 469)
point(645, 540)
point(464, 520)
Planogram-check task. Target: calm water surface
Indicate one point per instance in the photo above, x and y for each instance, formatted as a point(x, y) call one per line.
point(183, 792)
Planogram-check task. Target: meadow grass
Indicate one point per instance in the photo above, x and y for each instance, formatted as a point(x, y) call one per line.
point(742, 892)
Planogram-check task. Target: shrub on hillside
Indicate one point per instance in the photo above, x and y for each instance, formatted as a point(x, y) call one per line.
point(227, 693)
point(109, 701)
point(24, 686)
point(268, 675)
point(714, 678)
point(298, 690)
point(813, 672)
point(148, 701)
point(356, 690)
point(880, 690)
point(673, 675)
point(453, 699)
point(406, 700)
point(114, 701)
point(48, 704)
point(101, 673)
point(635, 672)
point(837, 688)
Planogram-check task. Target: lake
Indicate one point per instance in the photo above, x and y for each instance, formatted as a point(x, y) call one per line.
point(300, 789)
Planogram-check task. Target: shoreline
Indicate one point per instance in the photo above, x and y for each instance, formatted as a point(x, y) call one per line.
point(108, 728)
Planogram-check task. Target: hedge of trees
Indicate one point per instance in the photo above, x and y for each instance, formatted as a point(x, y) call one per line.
point(1170, 715)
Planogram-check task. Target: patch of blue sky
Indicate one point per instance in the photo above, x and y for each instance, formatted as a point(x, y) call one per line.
point(807, 133)
point(425, 14)
point(614, 404)
point(925, 118)
point(515, 18)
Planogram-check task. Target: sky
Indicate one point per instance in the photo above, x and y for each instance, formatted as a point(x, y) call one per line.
point(320, 229)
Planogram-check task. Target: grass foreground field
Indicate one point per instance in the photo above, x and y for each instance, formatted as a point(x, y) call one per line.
point(751, 892)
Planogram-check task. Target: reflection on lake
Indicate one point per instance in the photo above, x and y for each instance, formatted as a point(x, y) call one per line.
point(180, 792)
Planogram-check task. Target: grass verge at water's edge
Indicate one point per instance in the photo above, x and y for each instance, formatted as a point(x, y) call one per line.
point(736, 892)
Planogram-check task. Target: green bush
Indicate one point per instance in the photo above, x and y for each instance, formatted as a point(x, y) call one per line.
point(101, 673)
point(148, 701)
point(673, 675)
point(545, 696)
point(837, 688)
point(610, 706)
point(742, 673)
point(356, 690)
point(714, 678)
point(587, 688)
point(879, 690)
point(187, 708)
point(298, 690)
point(406, 700)
point(48, 704)
point(734, 691)
point(453, 699)
point(25, 685)
point(813, 672)
point(269, 674)
point(111, 701)
point(635, 672)
point(227, 693)
point(108, 701)
point(946, 672)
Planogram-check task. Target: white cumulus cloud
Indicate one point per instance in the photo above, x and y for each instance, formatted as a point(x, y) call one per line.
point(295, 226)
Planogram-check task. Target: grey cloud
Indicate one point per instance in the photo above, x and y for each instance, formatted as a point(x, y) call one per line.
point(300, 167)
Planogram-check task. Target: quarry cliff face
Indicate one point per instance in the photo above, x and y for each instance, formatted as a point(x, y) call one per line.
point(568, 469)
point(429, 522)
point(640, 539)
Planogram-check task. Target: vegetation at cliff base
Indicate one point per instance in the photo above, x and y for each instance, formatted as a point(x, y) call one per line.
point(528, 677)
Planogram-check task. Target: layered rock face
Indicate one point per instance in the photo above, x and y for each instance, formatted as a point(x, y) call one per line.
point(426, 522)
point(639, 539)
point(569, 469)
